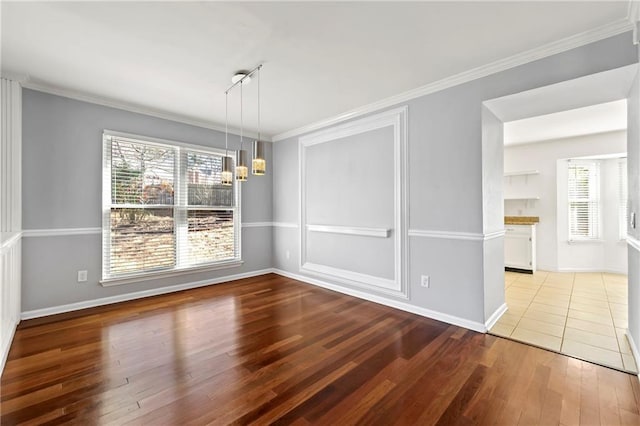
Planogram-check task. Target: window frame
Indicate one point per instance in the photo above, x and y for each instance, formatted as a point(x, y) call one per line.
point(180, 210)
point(597, 199)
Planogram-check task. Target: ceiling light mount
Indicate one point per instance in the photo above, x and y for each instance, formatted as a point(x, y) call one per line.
point(241, 75)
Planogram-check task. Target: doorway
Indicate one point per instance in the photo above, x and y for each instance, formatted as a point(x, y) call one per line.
point(568, 302)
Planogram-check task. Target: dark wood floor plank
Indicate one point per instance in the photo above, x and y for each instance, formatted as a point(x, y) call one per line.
point(273, 350)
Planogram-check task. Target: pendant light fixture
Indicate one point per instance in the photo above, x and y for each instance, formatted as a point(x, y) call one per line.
point(258, 164)
point(242, 171)
point(227, 174)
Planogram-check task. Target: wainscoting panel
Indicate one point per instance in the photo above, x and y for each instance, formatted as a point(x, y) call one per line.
point(352, 203)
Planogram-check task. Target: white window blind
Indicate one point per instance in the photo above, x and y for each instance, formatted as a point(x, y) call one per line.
point(164, 208)
point(623, 196)
point(584, 199)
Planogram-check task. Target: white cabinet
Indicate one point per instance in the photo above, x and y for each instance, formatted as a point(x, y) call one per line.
point(520, 247)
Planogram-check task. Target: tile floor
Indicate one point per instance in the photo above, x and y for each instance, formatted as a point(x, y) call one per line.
point(578, 314)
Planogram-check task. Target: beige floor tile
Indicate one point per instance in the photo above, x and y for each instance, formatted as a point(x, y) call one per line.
point(500, 329)
point(544, 327)
point(629, 363)
point(589, 338)
point(509, 319)
point(545, 317)
point(574, 313)
point(524, 285)
point(616, 278)
point(593, 302)
point(617, 299)
point(590, 316)
point(517, 310)
point(592, 353)
point(522, 290)
point(620, 322)
point(561, 303)
point(535, 338)
point(590, 295)
point(619, 314)
point(550, 309)
point(554, 292)
point(555, 284)
point(604, 329)
point(599, 310)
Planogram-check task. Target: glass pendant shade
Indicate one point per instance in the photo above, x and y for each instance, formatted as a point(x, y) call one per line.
point(227, 174)
point(258, 164)
point(242, 171)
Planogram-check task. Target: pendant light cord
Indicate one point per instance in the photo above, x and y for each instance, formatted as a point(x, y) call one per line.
point(259, 72)
point(241, 121)
point(226, 123)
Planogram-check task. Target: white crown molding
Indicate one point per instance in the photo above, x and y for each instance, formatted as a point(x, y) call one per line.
point(522, 58)
point(13, 76)
point(139, 109)
point(403, 306)
point(37, 313)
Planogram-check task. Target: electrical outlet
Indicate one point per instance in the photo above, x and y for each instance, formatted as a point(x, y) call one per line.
point(425, 281)
point(82, 276)
point(287, 254)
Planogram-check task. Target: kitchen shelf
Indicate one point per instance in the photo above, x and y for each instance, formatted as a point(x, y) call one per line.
point(522, 173)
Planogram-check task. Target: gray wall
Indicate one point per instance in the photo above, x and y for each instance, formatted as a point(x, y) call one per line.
point(62, 184)
point(492, 211)
point(445, 179)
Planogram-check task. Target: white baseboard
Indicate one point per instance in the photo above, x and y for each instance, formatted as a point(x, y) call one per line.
point(634, 349)
point(495, 316)
point(428, 313)
point(604, 270)
point(37, 313)
point(6, 345)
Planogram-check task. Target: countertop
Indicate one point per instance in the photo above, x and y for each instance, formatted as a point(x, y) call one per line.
point(521, 220)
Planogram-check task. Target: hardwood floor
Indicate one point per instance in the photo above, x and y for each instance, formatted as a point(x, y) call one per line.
point(273, 350)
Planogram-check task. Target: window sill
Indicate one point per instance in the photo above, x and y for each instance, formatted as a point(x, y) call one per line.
point(586, 241)
point(167, 274)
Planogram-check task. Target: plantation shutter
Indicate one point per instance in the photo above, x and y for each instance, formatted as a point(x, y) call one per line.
point(584, 200)
point(622, 196)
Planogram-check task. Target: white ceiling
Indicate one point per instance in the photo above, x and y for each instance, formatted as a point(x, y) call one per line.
point(320, 59)
point(588, 120)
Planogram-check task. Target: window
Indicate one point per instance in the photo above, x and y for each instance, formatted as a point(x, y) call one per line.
point(164, 208)
point(584, 200)
point(622, 195)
